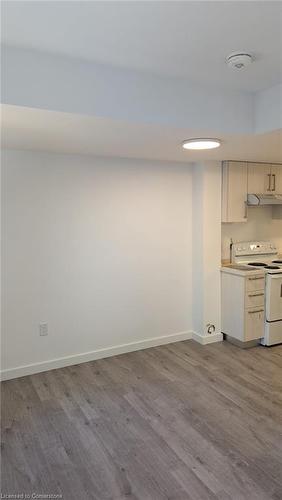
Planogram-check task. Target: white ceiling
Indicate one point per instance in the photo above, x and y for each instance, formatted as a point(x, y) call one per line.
point(42, 130)
point(187, 39)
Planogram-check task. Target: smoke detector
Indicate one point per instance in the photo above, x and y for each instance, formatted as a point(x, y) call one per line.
point(239, 60)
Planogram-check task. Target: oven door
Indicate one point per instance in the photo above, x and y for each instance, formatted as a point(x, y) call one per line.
point(273, 302)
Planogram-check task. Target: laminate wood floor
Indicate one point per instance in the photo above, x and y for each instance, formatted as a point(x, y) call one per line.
point(175, 422)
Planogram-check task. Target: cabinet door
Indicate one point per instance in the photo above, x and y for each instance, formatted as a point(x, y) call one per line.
point(259, 178)
point(254, 324)
point(234, 191)
point(276, 179)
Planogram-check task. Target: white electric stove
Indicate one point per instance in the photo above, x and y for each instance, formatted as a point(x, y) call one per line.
point(263, 256)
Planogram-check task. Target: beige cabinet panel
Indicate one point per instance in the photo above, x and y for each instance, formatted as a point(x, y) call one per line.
point(276, 179)
point(259, 178)
point(255, 283)
point(254, 299)
point(254, 323)
point(234, 191)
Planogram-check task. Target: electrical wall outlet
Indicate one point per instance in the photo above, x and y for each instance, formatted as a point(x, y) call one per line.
point(43, 329)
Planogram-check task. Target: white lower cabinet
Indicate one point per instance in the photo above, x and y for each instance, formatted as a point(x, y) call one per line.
point(242, 305)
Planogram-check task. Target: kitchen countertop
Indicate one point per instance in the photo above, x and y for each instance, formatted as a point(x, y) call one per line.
point(240, 270)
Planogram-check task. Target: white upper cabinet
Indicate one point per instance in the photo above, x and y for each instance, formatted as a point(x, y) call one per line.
point(242, 178)
point(276, 179)
point(259, 178)
point(264, 178)
point(234, 191)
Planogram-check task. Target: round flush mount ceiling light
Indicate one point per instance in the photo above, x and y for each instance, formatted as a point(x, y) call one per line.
point(201, 143)
point(239, 60)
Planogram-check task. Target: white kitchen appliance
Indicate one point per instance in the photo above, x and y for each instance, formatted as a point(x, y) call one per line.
point(263, 255)
point(264, 199)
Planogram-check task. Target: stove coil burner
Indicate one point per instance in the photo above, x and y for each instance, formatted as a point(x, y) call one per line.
point(272, 267)
point(277, 262)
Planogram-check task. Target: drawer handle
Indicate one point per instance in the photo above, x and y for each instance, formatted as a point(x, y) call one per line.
point(256, 294)
point(256, 278)
point(255, 312)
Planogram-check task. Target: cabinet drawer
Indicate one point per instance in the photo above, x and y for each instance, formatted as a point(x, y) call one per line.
point(254, 283)
point(255, 299)
point(254, 323)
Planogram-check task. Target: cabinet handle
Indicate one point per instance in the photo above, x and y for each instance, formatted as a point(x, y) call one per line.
point(269, 182)
point(255, 312)
point(274, 182)
point(257, 294)
point(246, 210)
point(256, 278)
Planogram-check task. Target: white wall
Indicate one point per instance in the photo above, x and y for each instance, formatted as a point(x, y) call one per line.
point(98, 248)
point(268, 109)
point(206, 250)
point(259, 226)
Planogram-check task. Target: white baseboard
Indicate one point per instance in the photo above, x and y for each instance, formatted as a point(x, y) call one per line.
point(75, 359)
point(207, 339)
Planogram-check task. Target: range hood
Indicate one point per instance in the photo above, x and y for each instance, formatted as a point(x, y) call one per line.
point(264, 199)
